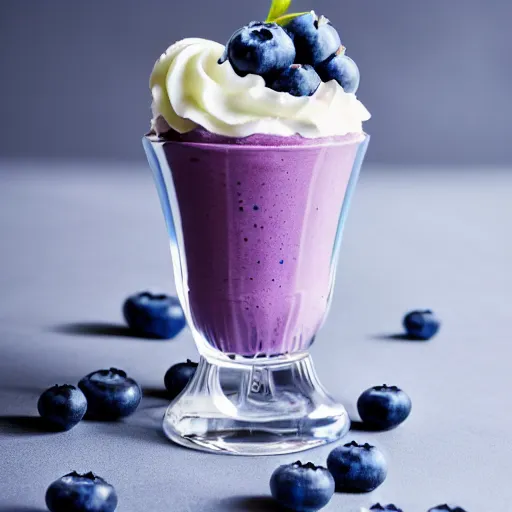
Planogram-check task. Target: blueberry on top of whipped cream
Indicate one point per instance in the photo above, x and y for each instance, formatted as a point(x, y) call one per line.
point(259, 48)
point(285, 76)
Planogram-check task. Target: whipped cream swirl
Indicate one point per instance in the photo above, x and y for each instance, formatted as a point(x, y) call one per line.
point(191, 89)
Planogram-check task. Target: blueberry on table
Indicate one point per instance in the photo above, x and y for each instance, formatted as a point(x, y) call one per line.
point(421, 325)
point(81, 493)
point(384, 407)
point(389, 507)
point(259, 49)
point(62, 407)
point(110, 394)
point(154, 315)
point(341, 68)
point(357, 468)
point(302, 487)
point(298, 80)
point(315, 38)
point(178, 376)
point(446, 508)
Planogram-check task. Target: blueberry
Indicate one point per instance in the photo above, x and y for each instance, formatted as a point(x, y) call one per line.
point(357, 468)
point(315, 38)
point(383, 407)
point(446, 508)
point(62, 407)
point(341, 68)
point(298, 80)
point(110, 394)
point(155, 316)
point(421, 325)
point(259, 49)
point(302, 487)
point(178, 376)
point(378, 506)
point(81, 493)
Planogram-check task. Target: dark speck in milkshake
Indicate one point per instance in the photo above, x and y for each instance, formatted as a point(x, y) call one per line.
point(255, 207)
point(246, 239)
point(241, 208)
point(281, 262)
point(238, 183)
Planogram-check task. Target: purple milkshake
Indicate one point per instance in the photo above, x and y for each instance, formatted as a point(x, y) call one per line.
point(256, 147)
point(259, 223)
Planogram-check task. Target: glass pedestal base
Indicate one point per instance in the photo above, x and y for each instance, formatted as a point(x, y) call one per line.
point(265, 407)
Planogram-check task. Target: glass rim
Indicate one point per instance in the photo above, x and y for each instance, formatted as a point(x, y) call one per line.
point(339, 140)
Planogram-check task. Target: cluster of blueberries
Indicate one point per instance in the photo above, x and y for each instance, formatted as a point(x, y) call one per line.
point(295, 58)
point(102, 395)
point(111, 395)
point(308, 488)
point(353, 467)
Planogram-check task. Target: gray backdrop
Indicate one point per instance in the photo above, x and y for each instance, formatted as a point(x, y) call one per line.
point(436, 75)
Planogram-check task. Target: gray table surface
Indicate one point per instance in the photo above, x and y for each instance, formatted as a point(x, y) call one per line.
point(76, 239)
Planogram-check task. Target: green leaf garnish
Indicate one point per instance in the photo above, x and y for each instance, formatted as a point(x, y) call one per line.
point(284, 20)
point(277, 9)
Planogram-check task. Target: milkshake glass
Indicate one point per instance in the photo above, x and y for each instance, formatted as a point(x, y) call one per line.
point(255, 227)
